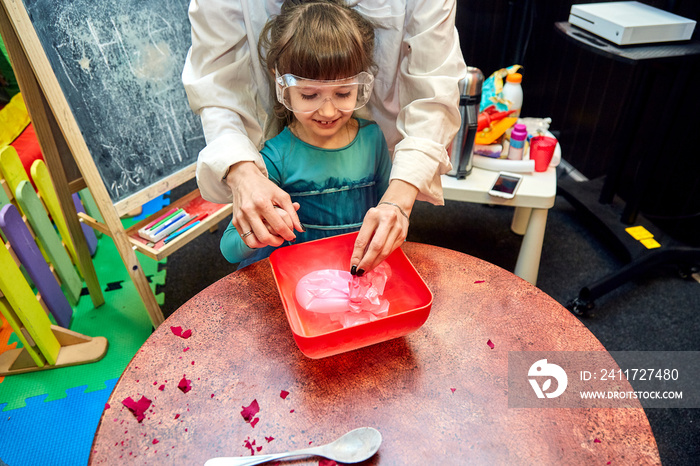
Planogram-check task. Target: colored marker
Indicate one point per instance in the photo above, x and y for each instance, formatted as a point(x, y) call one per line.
point(166, 219)
point(170, 222)
point(162, 217)
point(180, 231)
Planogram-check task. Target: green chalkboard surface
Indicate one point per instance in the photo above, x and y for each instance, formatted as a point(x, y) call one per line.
point(118, 63)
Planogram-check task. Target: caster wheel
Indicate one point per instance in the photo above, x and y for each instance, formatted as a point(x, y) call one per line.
point(686, 272)
point(580, 307)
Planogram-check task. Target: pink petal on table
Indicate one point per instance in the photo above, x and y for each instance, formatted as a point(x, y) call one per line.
point(138, 408)
point(107, 406)
point(596, 441)
point(291, 410)
point(155, 440)
point(490, 343)
point(186, 349)
point(269, 439)
point(254, 421)
point(177, 416)
point(185, 385)
point(479, 281)
point(162, 387)
point(249, 446)
point(250, 411)
point(326, 462)
point(176, 330)
point(283, 394)
point(187, 333)
point(453, 389)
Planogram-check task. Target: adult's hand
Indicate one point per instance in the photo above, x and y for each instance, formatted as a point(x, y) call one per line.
point(384, 227)
point(261, 207)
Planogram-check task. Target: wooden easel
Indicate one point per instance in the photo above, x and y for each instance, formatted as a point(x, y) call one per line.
point(68, 157)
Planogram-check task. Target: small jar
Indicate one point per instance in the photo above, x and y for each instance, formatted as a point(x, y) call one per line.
point(517, 142)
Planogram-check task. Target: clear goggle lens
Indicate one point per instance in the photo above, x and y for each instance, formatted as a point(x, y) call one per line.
point(304, 95)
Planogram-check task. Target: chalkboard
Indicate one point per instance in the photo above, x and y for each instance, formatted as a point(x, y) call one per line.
point(118, 63)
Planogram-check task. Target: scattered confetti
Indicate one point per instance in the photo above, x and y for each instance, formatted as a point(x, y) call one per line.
point(453, 389)
point(490, 343)
point(180, 333)
point(269, 439)
point(162, 387)
point(480, 281)
point(185, 385)
point(250, 411)
point(177, 416)
point(212, 395)
point(283, 394)
point(138, 408)
point(250, 446)
point(107, 406)
point(254, 421)
point(291, 410)
point(155, 440)
point(186, 349)
point(596, 441)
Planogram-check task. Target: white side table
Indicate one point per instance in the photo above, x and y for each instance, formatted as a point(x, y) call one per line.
point(532, 201)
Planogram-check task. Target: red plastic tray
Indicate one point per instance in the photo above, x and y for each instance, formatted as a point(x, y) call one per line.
point(409, 297)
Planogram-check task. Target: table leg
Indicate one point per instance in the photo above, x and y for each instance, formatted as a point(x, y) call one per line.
point(521, 218)
point(528, 263)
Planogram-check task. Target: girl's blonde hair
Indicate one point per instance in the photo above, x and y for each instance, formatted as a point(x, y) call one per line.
point(316, 39)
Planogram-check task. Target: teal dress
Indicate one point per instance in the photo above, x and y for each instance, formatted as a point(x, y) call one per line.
point(334, 187)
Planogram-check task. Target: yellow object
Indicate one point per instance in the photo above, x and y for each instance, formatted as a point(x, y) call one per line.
point(27, 310)
point(42, 179)
point(639, 232)
point(13, 119)
point(650, 243)
point(495, 131)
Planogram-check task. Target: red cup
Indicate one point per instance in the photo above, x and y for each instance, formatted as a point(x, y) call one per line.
point(542, 151)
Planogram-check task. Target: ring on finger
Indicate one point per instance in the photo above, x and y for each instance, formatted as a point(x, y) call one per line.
point(246, 234)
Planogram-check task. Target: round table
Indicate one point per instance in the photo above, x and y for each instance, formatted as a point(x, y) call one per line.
point(438, 395)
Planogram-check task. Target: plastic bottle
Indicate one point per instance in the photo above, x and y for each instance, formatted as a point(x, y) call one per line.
point(517, 142)
point(513, 92)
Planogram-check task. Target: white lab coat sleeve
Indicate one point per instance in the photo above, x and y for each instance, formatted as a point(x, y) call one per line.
point(430, 70)
point(218, 79)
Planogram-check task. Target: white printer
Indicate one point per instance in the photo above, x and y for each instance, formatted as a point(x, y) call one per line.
point(626, 23)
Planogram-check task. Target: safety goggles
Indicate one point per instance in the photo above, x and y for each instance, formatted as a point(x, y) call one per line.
point(304, 95)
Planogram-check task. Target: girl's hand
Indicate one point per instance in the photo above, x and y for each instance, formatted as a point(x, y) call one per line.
point(384, 227)
point(262, 212)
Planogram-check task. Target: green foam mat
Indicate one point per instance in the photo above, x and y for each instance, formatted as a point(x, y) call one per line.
point(123, 320)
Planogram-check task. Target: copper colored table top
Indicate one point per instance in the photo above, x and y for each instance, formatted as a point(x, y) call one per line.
point(241, 349)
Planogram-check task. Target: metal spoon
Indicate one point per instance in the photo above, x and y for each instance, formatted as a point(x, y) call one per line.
point(353, 447)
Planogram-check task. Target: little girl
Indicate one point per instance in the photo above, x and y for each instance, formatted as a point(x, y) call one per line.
point(333, 165)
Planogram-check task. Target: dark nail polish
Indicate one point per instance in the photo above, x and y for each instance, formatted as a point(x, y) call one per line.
point(353, 270)
point(360, 272)
point(303, 227)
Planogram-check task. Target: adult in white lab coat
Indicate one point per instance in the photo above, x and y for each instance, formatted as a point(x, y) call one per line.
point(415, 102)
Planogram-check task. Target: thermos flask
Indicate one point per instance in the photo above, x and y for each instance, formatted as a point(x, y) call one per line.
point(462, 149)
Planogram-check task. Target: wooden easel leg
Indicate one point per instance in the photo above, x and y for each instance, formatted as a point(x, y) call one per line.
point(52, 143)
